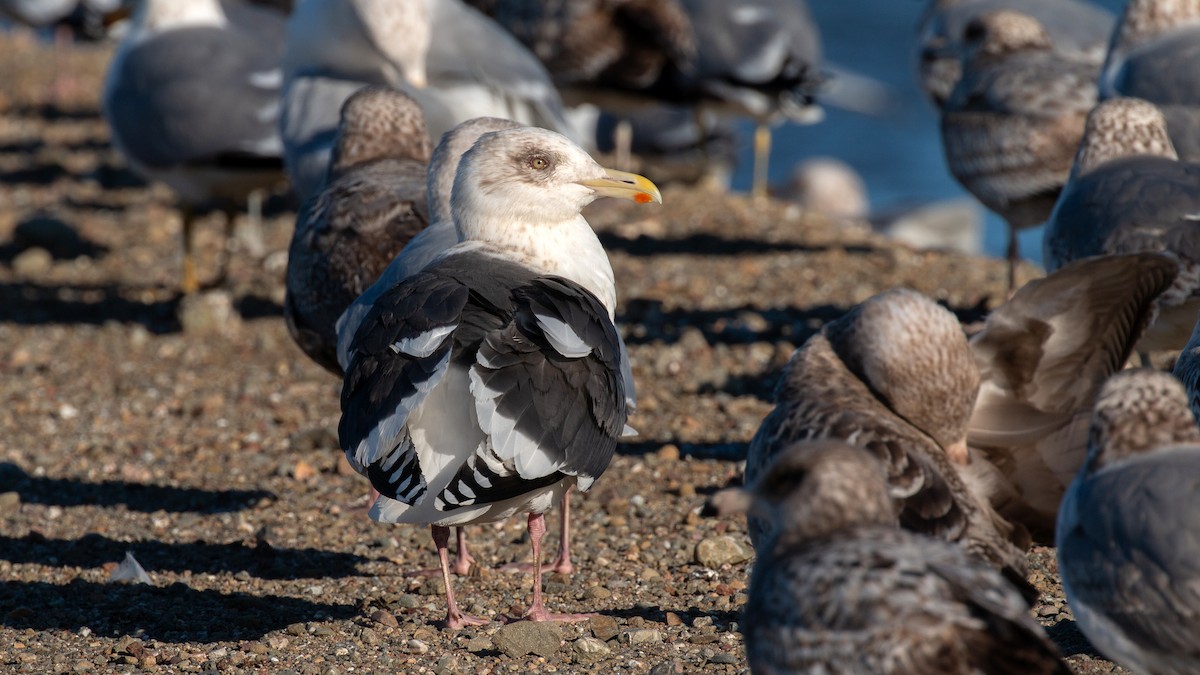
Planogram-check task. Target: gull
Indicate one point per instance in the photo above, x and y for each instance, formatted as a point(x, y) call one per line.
point(1127, 545)
point(1187, 371)
point(1129, 193)
point(490, 382)
point(895, 377)
point(1013, 122)
point(1078, 29)
point(1043, 357)
point(191, 98)
point(839, 588)
point(372, 205)
point(455, 62)
point(1154, 56)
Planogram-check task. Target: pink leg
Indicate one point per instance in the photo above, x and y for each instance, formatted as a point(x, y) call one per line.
point(462, 562)
point(537, 612)
point(455, 619)
point(563, 564)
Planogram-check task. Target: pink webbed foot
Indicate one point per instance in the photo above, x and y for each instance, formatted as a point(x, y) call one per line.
point(456, 620)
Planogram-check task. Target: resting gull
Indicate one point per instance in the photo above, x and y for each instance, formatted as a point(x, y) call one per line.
point(469, 67)
point(372, 205)
point(1155, 56)
point(895, 377)
point(839, 588)
point(1013, 122)
point(490, 382)
point(1043, 357)
point(1128, 193)
point(1076, 28)
point(1127, 532)
point(191, 97)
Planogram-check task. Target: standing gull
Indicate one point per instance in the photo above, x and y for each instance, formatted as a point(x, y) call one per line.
point(1127, 532)
point(1013, 122)
point(1076, 28)
point(490, 382)
point(1129, 193)
point(372, 205)
point(839, 588)
point(895, 377)
point(1155, 55)
point(1043, 357)
point(468, 67)
point(191, 97)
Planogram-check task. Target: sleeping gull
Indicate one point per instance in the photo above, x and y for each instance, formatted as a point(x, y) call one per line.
point(1076, 28)
point(1127, 547)
point(372, 205)
point(470, 67)
point(839, 588)
point(895, 377)
point(191, 97)
point(1043, 357)
point(1013, 122)
point(490, 382)
point(1129, 193)
point(1155, 56)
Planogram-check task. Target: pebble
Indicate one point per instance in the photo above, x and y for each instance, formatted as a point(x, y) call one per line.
point(416, 647)
point(32, 262)
point(385, 618)
point(641, 636)
point(714, 552)
point(528, 637)
point(447, 665)
point(723, 657)
point(603, 627)
point(10, 502)
point(597, 593)
point(479, 643)
point(209, 313)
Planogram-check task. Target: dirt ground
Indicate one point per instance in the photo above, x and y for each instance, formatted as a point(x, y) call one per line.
point(204, 444)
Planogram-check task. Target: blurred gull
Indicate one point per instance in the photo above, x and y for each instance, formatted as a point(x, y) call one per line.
point(191, 97)
point(1187, 370)
point(1043, 357)
point(1155, 55)
point(1013, 122)
point(839, 588)
point(448, 57)
point(1127, 531)
point(373, 204)
point(1078, 29)
point(1128, 192)
point(489, 383)
point(894, 376)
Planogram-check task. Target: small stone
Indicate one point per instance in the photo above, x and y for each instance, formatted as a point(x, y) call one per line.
point(604, 627)
point(32, 262)
point(210, 313)
point(667, 668)
point(447, 665)
point(479, 643)
point(296, 629)
point(256, 648)
point(10, 502)
point(703, 638)
point(528, 637)
point(673, 619)
point(724, 658)
point(277, 642)
point(714, 552)
point(597, 593)
point(415, 647)
point(589, 650)
point(641, 636)
point(409, 601)
point(669, 452)
point(218, 653)
point(303, 471)
point(369, 636)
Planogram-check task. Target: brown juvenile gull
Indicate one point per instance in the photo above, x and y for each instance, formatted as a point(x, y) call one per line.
point(1043, 357)
point(1076, 28)
point(839, 588)
point(372, 205)
point(1012, 125)
point(893, 376)
point(1155, 55)
point(490, 382)
point(1129, 193)
point(191, 97)
point(1127, 532)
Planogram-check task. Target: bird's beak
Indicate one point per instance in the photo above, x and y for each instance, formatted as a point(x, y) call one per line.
point(624, 185)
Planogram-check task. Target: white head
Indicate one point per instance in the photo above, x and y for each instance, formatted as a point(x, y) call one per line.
point(156, 15)
point(516, 181)
point(449, 151)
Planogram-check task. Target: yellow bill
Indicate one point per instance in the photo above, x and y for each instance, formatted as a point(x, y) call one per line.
point(623, 185)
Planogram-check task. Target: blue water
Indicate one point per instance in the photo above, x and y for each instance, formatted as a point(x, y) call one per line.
point(899, 155)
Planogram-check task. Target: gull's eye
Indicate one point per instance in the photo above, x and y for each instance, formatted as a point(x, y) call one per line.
point(539, 163)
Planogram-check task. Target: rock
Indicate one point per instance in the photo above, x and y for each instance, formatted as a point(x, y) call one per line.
point(528, 637)
point(589, 650)
point(10, 502)
point(597, 593)
point(717, 551)
point(641, 636)
point(723, 657)
point(479, 643)
point(669, 453)
point(603, 627)
point(667, 668)
point(447, 665)
point(210, 313)
point(32, 262)
point(416, 647)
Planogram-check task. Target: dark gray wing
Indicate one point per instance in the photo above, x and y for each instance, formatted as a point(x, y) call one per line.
point(400, 352)
point(1165, 71)
point(198, 95)
point(1129, 548)
point(549, 395)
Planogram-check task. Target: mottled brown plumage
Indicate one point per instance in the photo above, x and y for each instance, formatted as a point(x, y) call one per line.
point(838, 588)
point(1043, 357)
point(1012, 125)
point(373, 203)
point(895, 377)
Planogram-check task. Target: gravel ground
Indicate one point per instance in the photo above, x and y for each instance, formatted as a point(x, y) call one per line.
point(132, 422)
